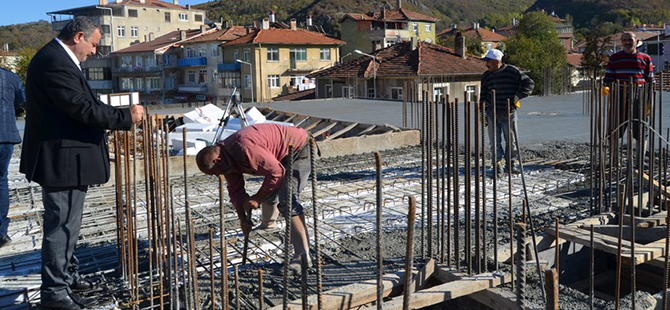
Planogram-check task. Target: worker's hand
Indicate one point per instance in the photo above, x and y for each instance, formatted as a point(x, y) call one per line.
point(136, 113)
point(605, 91)
point(245, 225)
point(517, 104)
point(251, 204)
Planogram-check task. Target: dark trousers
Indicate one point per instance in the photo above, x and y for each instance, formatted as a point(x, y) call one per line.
point(6, 150)
point(63, 210)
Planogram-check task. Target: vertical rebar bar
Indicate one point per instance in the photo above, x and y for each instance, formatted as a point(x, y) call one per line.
point(478, 254)
point(288, 182)
point(303, 280)
point(317, 247)
point(260, 288)
point(520, 265)
point(409, 252)
point(224, 248)
point(508, 155)
point(494, 166)
point(468, 186)
point(380, 258)
point(591, 269)
point(212, 293)
point(237, 287)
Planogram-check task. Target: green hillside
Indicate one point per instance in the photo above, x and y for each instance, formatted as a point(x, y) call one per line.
point(31, 35)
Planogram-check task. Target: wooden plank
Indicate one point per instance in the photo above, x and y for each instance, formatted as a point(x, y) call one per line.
point(658, 219)
point(366, 130)
point(342, 131)
point(466, 285)
point(353, 295)
point(642, 235)
point(324, 129)
point(602, 219)
point(658, 188)
point(302, 121)
point(290, 118)
point(420, 279)
point(608, 244)
point(498, 299)
point(312, 125)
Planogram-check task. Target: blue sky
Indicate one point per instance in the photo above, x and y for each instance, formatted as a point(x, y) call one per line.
point(23, 11)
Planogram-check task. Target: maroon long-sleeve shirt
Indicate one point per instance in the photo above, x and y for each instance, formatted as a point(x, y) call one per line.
point(258, 150)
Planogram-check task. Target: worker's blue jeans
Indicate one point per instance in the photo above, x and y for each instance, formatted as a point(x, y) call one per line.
point(498, 133)
point(6, 150)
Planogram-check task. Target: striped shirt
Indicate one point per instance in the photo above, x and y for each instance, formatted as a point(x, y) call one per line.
point(623, 66)
point(509, 83)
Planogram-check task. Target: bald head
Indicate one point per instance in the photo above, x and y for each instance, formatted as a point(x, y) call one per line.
point(208, 160)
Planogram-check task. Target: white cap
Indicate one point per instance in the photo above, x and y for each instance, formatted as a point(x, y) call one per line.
point(493, 54)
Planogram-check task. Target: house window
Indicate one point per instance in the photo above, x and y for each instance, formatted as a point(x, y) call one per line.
point(273, 54)
point(134, 31)
point(121, 31)
point(371, 92)
point(429, 27)
point(202, 78)
point(190, 52)
point(389, 43)
point(183, 16)
point(126, 83)
point(329, 91)
point(214, 50)
point(191, 76)
point(169, 82)
point(202, 51)
point(139, 83)
point(396, 93)
point(151, 61)
point(138, 63)
point(439, 91)
point(247, 81)
point(415, 27)
point(167, 60)
point(246, 55)
point(126, 62)
point(236, 55)
point(347, 92)
point(198, 17)
point(95, 74)
point(297, 80)
point(325, 54)
point(299, 54)
point(167, 17)
point(132, 13)
point(471, 92)
point(273, 80)
point(155, 83)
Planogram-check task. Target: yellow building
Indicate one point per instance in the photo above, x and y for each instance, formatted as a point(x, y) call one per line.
point(375, 30)
point(269, 62)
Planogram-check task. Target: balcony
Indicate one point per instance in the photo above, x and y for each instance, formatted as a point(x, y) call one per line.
point(193, 62)
point(305, 66)
point(193, 89)
point(231, 66)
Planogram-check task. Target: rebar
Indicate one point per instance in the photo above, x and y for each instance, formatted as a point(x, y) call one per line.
point(520, 265)
point(380, 258)
point(409, 252)
point(317, 247)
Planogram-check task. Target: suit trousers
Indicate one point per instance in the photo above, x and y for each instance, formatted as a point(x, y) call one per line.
point(63, 210)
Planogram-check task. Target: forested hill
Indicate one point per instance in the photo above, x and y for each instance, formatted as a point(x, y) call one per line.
point(328, 12)
point(31, 35)
point(586, 13)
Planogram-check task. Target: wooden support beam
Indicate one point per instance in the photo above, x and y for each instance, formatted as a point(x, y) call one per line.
point(608, 244)
point(497, 298)
point(358, 294)
point(324, 129)
point(464, 286)
point(658, 188)
point(658, 219)
point(342, 131)
point(642, 235)
point(312, 125)
point(366, 130)
point(290, 118)
point(419, 280)
point(302, 121)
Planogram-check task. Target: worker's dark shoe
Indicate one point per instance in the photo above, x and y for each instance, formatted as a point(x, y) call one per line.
point(66, 303)
point(295, 267)
point(500, 167)
point(5, 240)
point(84, 302)
point(81, 285)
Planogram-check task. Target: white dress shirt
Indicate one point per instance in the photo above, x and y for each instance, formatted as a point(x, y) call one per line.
point(70, 53)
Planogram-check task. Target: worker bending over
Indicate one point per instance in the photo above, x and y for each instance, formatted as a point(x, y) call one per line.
point(262, 150)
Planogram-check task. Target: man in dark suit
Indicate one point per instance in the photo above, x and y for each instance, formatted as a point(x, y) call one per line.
point(65, 151)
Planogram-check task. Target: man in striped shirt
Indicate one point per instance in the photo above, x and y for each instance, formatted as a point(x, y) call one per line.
point(510, 86)
point(626, 66)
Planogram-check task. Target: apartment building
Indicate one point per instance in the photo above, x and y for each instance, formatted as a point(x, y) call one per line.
point(269, 62)
point(125, 23)
point(153, 68)
point(375, 30)
point(199, 65)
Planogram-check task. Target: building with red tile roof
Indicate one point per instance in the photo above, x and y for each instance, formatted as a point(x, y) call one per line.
point(489, 39)
point(274, 61)
point(441, 71)
point(371, 31)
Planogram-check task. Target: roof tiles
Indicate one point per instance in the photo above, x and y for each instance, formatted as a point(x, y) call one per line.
point(285, 36)
point(391, 15)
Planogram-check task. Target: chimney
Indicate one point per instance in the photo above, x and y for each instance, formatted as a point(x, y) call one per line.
point(412, 43)
point(188, 7)
point(399, 4)
point(103, 2)
point(272, 16)
point(6, 47)
point(257, 24)
point(151, 36)
point(248, 29)
point(294, 24)
point(475, 25)
point(460, 45)
point(175, 2)
point(513, 22)
point(182, 35)
point(203, 28)
point(143, 1)
point(383, 13)
point(309, 20)
point(266, 24)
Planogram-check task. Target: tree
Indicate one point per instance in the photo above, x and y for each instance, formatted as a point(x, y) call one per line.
point(536, 47)
point(595, 51)
point(25, 56)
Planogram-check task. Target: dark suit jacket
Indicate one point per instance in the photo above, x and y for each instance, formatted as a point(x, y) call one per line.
point(65, 142)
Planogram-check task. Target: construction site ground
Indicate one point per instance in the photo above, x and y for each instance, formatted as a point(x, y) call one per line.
point(554, 135)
